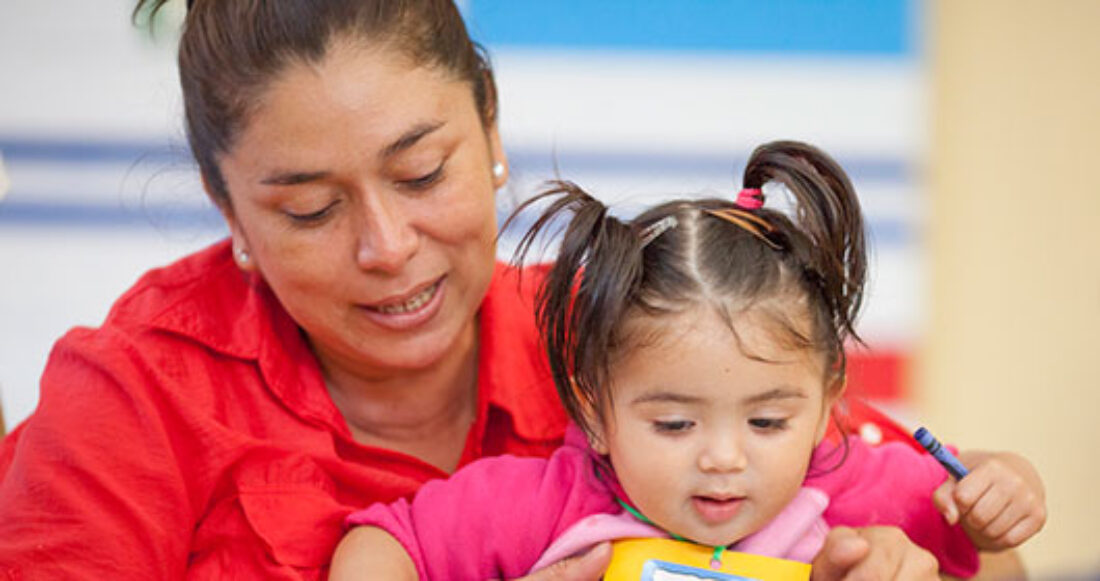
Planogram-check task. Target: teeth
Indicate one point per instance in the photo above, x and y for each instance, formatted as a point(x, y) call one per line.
point(419, 300)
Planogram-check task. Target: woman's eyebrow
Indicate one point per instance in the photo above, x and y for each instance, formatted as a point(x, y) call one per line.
point(409, 138)
point(293, 178)
point(405, 141)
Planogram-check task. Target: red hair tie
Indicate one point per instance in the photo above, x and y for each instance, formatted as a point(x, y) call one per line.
point(750, 199)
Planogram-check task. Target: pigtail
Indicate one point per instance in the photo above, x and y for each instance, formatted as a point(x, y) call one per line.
point(597, 271)
point(828, 214)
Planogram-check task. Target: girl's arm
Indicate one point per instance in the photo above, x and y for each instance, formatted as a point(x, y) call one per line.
point(371, 553)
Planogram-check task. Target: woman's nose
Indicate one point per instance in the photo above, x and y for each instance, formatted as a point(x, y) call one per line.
point(723, 453)
point(388, 239)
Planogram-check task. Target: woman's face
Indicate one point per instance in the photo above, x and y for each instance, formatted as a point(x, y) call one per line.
point(362, 190)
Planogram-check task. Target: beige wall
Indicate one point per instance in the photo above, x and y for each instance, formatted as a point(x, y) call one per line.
point(1010, 358)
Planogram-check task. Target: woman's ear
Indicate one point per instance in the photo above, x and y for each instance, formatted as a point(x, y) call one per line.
point(242, 252)
point(498, 160)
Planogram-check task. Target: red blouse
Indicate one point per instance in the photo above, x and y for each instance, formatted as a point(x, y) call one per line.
point(192, 436)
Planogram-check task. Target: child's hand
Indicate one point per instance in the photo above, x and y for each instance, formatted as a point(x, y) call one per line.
point(872, 553)
point(1001, 503)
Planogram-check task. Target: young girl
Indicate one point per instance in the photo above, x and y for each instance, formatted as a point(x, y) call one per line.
point(700, 350)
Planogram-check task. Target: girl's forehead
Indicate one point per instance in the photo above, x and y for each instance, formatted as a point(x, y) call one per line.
point(704, 336)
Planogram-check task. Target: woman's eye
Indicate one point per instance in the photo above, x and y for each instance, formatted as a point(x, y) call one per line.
point(768, 423)
point(311, 217)
point(673, 425)
point(425, 180)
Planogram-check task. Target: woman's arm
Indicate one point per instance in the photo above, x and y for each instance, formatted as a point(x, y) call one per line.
point(371, 553)
point(94, 489)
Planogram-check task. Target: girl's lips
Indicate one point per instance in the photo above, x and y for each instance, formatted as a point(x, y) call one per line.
point(716, 510)
point(419, 308)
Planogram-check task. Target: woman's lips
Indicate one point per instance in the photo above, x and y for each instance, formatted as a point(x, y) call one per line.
point(716, 510)
point(410, 312)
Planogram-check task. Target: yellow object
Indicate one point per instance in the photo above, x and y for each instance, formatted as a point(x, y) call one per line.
point(667, 559)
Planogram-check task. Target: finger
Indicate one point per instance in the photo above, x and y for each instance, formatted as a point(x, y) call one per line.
point(1021, 531)
point(917, 564)
point(1009, 517)
point(970, 489)
point(986, 509)
point(843, 549)
point(883, 558)
point(587, 567)
point(944, 500)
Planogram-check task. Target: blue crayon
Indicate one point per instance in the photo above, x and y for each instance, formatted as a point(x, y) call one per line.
point(941, 453)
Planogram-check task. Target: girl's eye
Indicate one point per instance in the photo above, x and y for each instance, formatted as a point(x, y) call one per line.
point(425, 180)
point(768, 423)
point(673, 426)
point(311, 217)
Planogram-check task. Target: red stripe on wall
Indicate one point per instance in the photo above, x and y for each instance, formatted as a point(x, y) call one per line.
point(878, 374)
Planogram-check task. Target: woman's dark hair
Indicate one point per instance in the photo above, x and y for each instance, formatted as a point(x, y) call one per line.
point(232, 50)
point(609, 270)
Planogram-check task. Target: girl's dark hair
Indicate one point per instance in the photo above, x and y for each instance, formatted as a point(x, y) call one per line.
point(607, 271)
point(232, 50)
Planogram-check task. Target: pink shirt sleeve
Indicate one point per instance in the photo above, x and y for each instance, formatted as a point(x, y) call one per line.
point(891, 485)
point(493, 518)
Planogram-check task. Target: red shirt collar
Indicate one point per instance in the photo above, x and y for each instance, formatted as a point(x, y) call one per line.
point(235, 314)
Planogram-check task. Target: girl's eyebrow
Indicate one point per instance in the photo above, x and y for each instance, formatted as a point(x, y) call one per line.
point(774, 394)
point(665, 397)
point(658, 396)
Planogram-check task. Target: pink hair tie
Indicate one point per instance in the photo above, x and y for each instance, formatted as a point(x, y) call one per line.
point(750, 199)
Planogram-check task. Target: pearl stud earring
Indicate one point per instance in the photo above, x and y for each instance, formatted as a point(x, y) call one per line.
point(498, 170)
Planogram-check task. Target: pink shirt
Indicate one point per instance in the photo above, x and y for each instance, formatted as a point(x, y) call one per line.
point(498, 517)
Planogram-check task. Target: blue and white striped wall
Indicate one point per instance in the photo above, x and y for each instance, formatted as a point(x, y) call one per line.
point(636, 100)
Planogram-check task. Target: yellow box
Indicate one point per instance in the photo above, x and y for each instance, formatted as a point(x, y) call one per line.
point(667, 559)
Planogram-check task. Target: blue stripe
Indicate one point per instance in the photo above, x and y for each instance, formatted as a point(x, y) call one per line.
point(575, 161)
point(92, 151)
point(886, 168)
point(887, 231)
point(162, 217)
point(174, 218)
point(846, 27)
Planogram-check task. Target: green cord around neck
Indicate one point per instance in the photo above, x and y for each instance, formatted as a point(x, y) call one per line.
point(715, 558)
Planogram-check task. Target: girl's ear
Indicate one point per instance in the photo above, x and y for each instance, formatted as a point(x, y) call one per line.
point(833, 392)
point(598, 441)
point(597, 434)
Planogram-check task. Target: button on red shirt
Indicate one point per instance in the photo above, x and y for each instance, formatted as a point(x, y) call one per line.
point(192, 435)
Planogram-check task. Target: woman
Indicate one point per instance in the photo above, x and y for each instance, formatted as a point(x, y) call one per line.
point(353, 338)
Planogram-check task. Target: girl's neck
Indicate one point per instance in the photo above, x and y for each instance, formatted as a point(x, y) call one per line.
point(426, 413)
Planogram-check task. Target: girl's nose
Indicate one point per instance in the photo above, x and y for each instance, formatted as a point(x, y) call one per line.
point(723, 453)
point(387, 239)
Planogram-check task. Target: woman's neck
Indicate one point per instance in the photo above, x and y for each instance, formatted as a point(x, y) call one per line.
point(426, 413)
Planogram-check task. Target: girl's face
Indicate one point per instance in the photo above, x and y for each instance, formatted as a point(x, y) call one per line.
point(362, 189)
point(708, 442)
